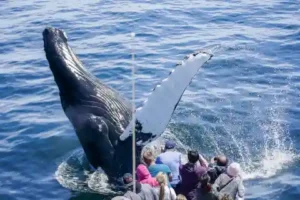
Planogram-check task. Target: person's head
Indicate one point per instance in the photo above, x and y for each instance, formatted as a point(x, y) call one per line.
point(148, 157)
point(180, 197)
point(234, 169)
point(221, 161)
point(193, 156)
point(170, 144)
point(128, 182)
point(204, 183)
point(204, 180)
point(162, 180)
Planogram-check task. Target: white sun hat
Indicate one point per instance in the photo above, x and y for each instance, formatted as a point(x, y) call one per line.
point(234, 169)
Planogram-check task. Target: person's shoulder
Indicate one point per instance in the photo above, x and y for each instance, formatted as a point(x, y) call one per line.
point(164, 166)
point(223, 175)
point(186, 165)
point(176, 154)
point(120, 198)
point(130, 194)
point(200, 168)
point(161, 154)
point(146, 186)
point(157, 167)
point(220, 168)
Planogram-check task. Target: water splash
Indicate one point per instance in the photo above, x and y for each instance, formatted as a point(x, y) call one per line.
point(267, 148)
point(278, 149)
point(261, 156)
point(74, 173)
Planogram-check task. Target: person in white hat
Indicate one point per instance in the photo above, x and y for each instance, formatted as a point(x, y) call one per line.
point(231, 183)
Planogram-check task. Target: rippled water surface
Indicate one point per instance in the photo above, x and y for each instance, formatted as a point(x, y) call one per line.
point(244, 102)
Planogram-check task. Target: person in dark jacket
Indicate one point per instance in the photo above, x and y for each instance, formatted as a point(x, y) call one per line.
point(204, 190)
point(217, 167)
point(189, 174)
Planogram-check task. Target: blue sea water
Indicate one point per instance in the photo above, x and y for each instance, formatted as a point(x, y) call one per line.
point(244, 102)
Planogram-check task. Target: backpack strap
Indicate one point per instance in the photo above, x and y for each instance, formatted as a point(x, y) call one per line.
point(220, 188)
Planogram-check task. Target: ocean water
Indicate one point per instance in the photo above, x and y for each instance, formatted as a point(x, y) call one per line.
point(243, 102)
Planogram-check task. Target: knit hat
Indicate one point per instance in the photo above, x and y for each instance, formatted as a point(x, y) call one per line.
point(128, 179)
point(234, 169)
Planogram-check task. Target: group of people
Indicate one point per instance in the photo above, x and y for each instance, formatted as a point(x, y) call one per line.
point(166, 178)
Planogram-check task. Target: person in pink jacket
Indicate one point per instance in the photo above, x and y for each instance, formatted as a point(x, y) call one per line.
point(145, 177)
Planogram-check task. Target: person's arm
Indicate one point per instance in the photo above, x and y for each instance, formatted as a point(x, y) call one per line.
point(212, 172)
point(180, 169)
point(170, 177)
point(217, 183)
point(173, 194)
point(127, 195)
point(203, 161)
point(212, 162)
point(154, 194)
point(241, 190)
point(169, 173)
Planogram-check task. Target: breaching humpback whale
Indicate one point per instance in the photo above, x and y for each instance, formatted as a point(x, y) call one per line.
point(101, 117)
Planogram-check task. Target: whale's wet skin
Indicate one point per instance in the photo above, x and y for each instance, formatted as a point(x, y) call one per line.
point(100, 116)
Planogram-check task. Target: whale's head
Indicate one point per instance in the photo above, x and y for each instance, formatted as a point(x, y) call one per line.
point(73, 80)
point(75, 83)
point(54, 39)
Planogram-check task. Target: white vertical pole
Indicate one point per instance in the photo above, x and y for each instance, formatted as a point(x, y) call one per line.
point(133, 115)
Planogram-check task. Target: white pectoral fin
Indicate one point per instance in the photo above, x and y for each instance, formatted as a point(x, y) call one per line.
point(153, 118)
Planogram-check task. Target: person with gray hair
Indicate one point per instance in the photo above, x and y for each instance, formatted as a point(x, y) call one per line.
point(230, 183)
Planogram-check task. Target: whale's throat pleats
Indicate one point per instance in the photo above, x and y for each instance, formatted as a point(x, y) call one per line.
point(79, 87)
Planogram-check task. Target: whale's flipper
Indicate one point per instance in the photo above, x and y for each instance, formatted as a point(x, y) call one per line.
point(153, 118)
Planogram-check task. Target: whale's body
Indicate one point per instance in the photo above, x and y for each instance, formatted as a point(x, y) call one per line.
point(102, 118)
